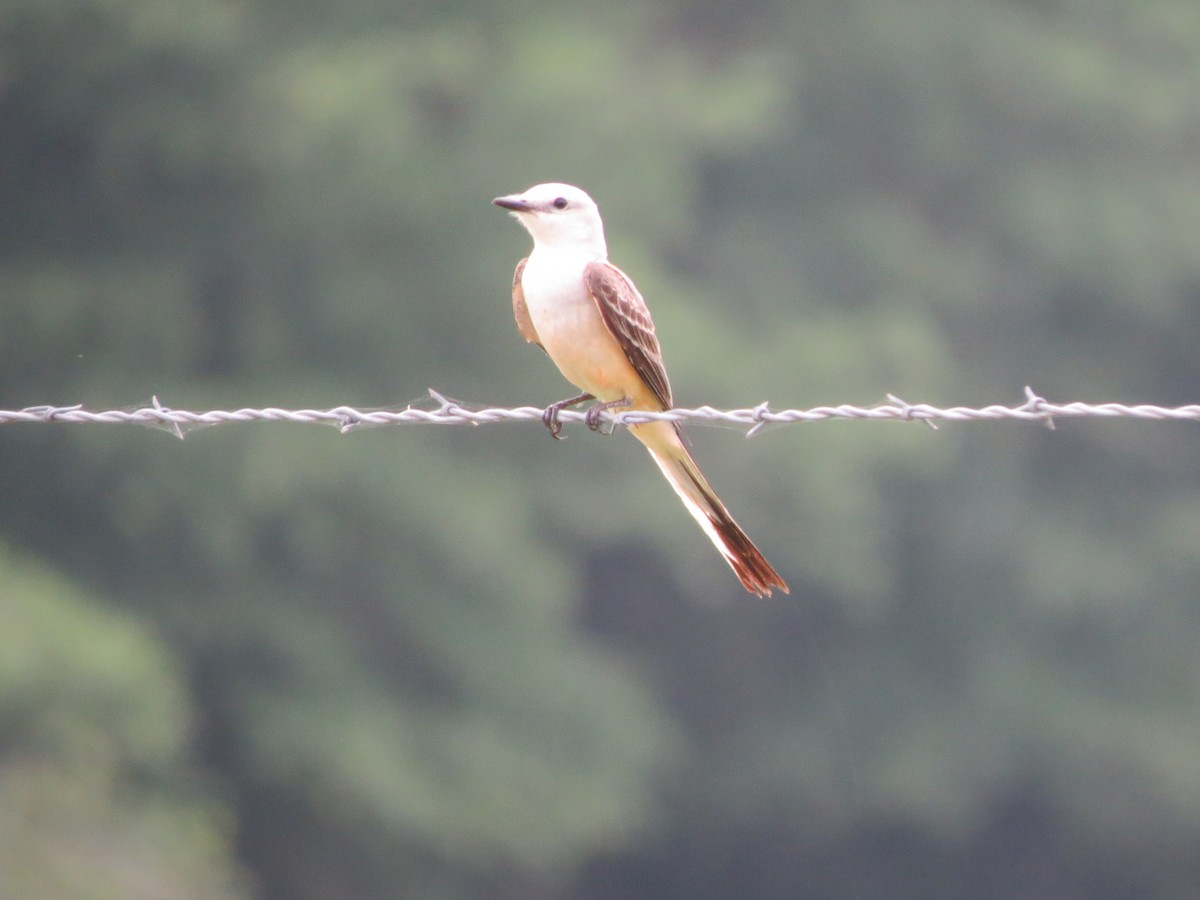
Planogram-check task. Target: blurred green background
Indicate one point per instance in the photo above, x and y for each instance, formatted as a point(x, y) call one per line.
point(275, 662)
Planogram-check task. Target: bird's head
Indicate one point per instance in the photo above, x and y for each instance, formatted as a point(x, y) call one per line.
point(559, 216)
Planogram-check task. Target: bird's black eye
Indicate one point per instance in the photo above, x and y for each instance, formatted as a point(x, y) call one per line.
point(560, 203)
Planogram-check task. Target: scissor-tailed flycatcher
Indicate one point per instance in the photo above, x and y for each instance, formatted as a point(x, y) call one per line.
point(592, 322)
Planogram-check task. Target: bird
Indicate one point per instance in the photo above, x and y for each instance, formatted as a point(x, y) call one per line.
point(592, 322)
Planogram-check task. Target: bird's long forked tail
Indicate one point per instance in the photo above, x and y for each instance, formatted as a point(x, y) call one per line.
point(680, 469)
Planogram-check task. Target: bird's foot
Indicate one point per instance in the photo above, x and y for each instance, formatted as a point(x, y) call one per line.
point(592, 418)
point(550, 416)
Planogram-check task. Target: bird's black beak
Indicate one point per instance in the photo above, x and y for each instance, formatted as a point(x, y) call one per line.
point(514, 203)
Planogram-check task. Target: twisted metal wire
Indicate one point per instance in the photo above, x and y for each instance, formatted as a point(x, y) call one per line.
point(446, 411)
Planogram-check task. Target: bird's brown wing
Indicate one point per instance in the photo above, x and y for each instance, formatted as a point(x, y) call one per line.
point(520, 311)
point(627, 317)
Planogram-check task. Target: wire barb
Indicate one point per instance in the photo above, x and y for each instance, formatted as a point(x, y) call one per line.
point(447, 411)
point(1037, 406)
point(911, 412)
point(760, 414)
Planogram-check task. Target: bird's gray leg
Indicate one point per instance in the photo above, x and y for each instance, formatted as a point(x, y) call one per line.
point(550, 416)
point(592, 419)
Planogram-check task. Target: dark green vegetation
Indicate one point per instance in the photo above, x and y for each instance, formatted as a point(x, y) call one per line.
point(273, 661)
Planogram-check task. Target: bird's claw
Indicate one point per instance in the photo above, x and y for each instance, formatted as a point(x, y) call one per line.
point(592, 417)
point(551, 421)
point(550, 414)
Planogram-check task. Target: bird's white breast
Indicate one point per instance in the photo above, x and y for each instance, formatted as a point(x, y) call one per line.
point(569, 324)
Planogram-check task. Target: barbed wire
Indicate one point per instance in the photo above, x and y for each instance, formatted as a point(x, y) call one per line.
point(445, 411)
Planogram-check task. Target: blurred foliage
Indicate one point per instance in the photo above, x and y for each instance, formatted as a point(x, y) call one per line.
point(459, 662)
point(99, 796)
